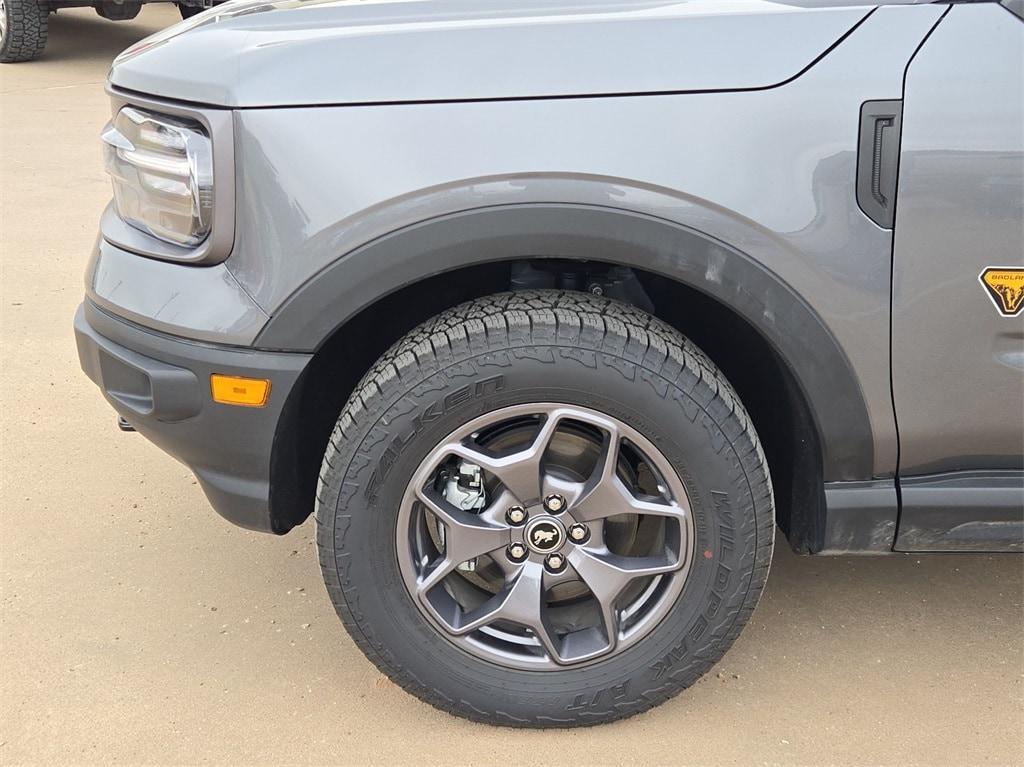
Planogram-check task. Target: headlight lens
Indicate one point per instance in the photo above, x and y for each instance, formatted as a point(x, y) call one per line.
point(162, 170)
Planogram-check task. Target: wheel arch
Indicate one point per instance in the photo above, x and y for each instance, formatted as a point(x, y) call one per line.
point(353, 310)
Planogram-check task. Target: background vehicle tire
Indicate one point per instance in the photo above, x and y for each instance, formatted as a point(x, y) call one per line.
point(125, 11)
point(188, 11)
point(503, 354)
point(23, 28)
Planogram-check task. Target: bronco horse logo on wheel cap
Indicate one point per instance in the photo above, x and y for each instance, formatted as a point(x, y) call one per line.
point(545, 535)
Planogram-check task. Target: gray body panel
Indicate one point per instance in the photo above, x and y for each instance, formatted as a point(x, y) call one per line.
point(610, 235)
point(718, 146)
point(289, 53)
point(205, 304)
point(783, 194)
point(160, 384)
point(958, 365)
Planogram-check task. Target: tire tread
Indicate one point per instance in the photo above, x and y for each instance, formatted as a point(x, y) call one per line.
point(28, 27)
point(553, 317)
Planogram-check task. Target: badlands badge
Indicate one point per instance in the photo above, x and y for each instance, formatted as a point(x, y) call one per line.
point(1005, 286)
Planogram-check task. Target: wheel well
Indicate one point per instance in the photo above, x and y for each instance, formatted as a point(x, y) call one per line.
point(762, 378)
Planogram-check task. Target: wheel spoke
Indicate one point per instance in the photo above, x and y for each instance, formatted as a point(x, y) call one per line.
point(519, 472)
point(520, 602)
point(607, 575)
point(604, 468)
point(528, 611)
point(467, 535)
point(603, 494)
point(609, 497)
point(437, 573)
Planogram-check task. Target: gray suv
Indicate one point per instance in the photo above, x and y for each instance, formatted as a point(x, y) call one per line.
point(551, 313)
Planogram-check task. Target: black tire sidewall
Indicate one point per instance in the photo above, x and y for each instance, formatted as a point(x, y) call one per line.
point(375, 469)
point(27, 26)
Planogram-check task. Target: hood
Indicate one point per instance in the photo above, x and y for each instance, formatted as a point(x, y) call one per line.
point(248, 53)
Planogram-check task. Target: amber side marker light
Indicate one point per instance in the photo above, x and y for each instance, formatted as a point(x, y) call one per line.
point(234, 390)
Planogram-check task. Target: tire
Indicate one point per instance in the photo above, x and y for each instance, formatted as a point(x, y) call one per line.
point(22, 30)
point(510, 351)
point(125, 11)
point(188, 11)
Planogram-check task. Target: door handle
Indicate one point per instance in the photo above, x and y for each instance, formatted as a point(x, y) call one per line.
point(881, 123)
point(878, 155)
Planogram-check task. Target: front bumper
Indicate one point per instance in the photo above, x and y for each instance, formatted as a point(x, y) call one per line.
point(161, 385)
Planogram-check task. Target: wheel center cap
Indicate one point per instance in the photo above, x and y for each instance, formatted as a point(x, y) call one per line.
point(544, 535)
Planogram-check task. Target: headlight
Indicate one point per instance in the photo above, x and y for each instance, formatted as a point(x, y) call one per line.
point(162, 170)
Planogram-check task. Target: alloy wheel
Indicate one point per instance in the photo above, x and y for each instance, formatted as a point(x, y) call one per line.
point(545, 536)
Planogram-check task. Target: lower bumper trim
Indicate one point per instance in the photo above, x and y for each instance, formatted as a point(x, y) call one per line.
point(159, 386)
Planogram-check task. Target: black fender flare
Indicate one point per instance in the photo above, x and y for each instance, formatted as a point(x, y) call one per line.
point(590, 232)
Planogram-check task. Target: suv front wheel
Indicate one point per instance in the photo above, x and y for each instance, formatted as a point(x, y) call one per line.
point(544, 509)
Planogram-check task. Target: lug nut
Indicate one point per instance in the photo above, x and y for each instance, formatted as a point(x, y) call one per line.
point(516, 515)
point(579, 533)
point(555, 562)
point(517, 552)
point(554, 503)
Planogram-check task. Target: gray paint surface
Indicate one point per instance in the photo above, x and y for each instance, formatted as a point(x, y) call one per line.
point(737, 124)
point(202, 303)
point(315, 184)
point(330, 52)
point(611, 235)
point(958, 366)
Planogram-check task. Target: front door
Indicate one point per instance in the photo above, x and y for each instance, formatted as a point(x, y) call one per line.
point(958, 286)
